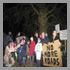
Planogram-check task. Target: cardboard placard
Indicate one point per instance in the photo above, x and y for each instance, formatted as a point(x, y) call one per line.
point(52, 54)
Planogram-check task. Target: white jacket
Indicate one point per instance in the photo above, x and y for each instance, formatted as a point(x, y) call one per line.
point(38, 50)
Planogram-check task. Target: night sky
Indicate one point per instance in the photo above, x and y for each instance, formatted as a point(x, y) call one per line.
point(20, 17)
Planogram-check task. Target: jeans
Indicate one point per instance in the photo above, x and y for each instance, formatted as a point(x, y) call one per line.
point(38, 63)
point(24, 60)
point(32, 60)
point(20, 59)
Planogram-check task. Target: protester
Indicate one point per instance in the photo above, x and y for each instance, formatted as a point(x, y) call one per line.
point(36, 37)
point(13, 53)
point(18, 34)
point(25, 38)
point(44, 39)
point(10, 34)
point(28, 49)
point(38, 50)
point(32, 50)
point(23, 45)
point(55, 37)
point(7, 57)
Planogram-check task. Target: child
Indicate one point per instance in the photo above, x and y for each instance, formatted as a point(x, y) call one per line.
point(38, 50)
point(32, 50)
point(7, 57)
point(21, 52)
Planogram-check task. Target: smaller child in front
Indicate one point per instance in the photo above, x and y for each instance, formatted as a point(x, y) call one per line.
point(38, 50)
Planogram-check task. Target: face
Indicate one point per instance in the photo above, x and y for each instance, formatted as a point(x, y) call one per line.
point(54, 33)
point(10, 44)
point(9, 33)
point(43, 34)
point(19, 34)
point(24, 37)
point(31, 38)
point(36, 34)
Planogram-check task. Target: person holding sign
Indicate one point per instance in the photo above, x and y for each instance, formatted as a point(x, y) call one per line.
point(38, 50)
point(55, 37)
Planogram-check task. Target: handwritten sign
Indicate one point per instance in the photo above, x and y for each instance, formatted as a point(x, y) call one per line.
point(52, 54)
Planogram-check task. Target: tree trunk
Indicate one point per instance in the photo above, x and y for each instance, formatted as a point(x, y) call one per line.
point(43, 24)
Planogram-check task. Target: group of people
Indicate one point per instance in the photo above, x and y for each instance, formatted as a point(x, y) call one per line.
point(24, 48)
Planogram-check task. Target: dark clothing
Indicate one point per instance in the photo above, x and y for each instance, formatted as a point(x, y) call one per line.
point(38, 63)
point(45, 40)
point(13, 55)
point(24, 50)
point(56, 38)
point(26, 40)
point(35, 39)
point(21, 52)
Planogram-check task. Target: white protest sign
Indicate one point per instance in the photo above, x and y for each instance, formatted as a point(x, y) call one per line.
point(63, 34)
point(57, 28)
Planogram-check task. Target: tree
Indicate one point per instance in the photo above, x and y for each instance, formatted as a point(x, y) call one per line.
point(45, 13)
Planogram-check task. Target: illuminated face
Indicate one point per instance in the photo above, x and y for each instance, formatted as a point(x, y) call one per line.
point(54, 33)
point(31, 38)
point(19, 34)
point(36, 34)
point(43, 34)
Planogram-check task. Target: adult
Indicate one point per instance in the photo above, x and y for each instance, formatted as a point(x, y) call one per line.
point(32, 50)
point(7, 57)
point(44, 39)
point(36, 37)
point(18, 34)
point(55, 37)
point(10, 34)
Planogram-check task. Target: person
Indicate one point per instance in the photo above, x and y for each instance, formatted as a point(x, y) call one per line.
point(25, 38)
point(32, 50)
point(44, 39)
point(10, 34)
point(23, 45)
point(18, 34)
point(55, 37)
point(36, 37)
point(38, 50)
point(7, 57)
point(13, 53)
point(28, 49)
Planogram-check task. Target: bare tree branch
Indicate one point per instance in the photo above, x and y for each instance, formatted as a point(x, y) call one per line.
point(35, 9)
point(51, 10)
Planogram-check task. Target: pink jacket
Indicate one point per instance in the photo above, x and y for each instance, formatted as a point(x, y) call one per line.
point(32, 48)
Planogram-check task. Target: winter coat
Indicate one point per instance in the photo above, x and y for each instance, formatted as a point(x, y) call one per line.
point(32, 47)
point(45, 40)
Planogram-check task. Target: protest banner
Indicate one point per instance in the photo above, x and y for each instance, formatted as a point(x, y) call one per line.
point(63, 34)
point(52, 54)
point(57, 28)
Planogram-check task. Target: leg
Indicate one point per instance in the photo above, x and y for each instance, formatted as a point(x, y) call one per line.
point(12, 60)
point(6, 59)
point(32, 60)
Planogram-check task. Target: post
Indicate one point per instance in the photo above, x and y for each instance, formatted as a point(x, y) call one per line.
point(65, 46)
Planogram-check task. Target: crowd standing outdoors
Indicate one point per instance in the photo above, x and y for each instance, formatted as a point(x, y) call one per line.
point(24, 48)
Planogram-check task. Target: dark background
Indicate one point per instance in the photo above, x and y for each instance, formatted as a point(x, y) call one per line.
point(21, 17)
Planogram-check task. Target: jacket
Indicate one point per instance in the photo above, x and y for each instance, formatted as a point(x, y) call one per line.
point(32, 48)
